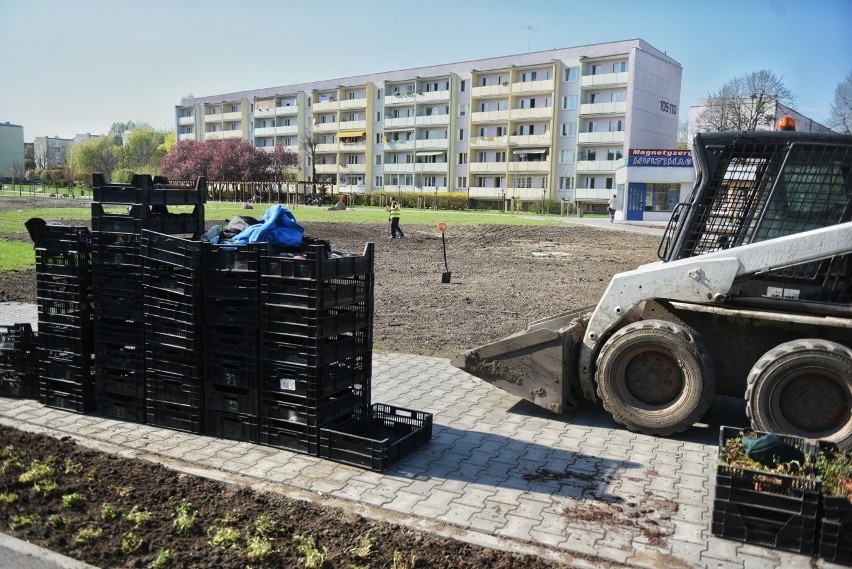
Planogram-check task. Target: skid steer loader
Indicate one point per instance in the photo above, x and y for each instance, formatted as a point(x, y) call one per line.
point(752, 298)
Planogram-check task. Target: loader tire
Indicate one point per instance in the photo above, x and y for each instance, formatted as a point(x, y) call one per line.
point(655, 377)
point(803, 388)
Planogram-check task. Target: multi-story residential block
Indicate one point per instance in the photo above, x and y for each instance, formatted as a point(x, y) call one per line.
point(773, 111)
point(551, 124)
point(51, 152)
point(11, 148)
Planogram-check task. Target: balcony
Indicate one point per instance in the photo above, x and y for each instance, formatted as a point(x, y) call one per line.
point(604, 80)
point(540, 167)
point(326, 106)
point(601, 195)
point(264, 131)
point(527, 194)
point(232, 134)
point(347, 104)
point(431, 167)
point(429, 120)
point(545, 86)
point(187, 136)
point(237, 116)
point(217, 117)
point(264, 113)
point(619, 108)
point(490, 116)
point(400, 122)
point(433, 96)
point(487, 167)
point(432, 143)
point(397, 168)
point(530, 140)
point(326, 168)
point(353, 168)
point(595, 166)
point(325, 127)
point(214, 135)
point(491, 91)
point(326, 148)
point(353, 146)
point(489, 141)
point(287, 130)
point(487, 193)
point(398, 145)
point(401, 99)
point(353, 125)
point(184, 121)
point(525, 114)
point(616, 137)
point(286, 110)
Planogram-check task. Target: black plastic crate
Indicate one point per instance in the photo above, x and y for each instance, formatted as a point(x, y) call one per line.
point(117, 279)
point(171, 249)
point(316, 295)
point(58, 238)
point(174, 416)
point(231, 340)
point(764, 526)
point(71, 396)
point(377, 439)
point(179, 361)
point(116, 406)
point(116, 381)
point(319, 263)
point(835, 541)
point(172, 388)
point(170, 281)
point(78, 370)
point(312, 352)
point(127, 359)
point(177, 223)
point(232, 370)
point(312, 323)
point(278, 378)
point(118, 305)
point(183, 309)
point(313, 413)
point(290, 436)
point(63, 287)
point(115, 219)
point(233, 257)
point(145, 190)
point(231, 311)
point(238, 285)
point(77, 339)
point(230, 400)
point(64, 311)
point(17, 383)
point(70, 264)
point(16, 337)
point(165, 332)
point(117, 331)
point(124, 257)
point(230, 426)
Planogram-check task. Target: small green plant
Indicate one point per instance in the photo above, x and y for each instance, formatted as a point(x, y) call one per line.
point(835, 467)
point(45, 486)
point(224, 537)
point(72, 467)
point(21, 522)
point(91, 476)
point(130, 542)
point(85, 535)
point(8, 498)
point(37, 471)
point(401, 562)
point(265, 526)
point(56, 521)
point(185, 518)
point(108, 512)
point(122, 491)
point(7, 452)
point(72, 500)
point(10, 458)
point(312, 557)
point(364, 548)
point(163, 558)
point(138, 517)
point(258, 547)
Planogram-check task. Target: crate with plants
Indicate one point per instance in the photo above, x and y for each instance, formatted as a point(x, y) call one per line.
point(835, 469)
point(18, 363)
point(767, 490)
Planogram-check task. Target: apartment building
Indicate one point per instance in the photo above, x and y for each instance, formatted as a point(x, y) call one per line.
point(11, 148)
point(51, 152)
point(552, 124)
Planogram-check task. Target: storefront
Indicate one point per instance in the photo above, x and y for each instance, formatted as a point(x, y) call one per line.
point(652, 183)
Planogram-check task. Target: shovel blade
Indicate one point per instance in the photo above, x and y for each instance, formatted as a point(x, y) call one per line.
point(445, 278)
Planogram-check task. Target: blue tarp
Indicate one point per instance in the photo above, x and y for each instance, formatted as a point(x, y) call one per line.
point(278, 227)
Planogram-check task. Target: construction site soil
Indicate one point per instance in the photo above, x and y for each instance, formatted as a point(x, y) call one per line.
point(503, 277)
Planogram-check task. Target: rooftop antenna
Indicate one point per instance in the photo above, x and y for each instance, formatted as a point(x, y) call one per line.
point(530, 30)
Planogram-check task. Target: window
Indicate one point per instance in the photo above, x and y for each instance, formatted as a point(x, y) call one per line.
point(234, 109)
point(569, 129)
point(429, 181)
point(501, 131)
point(616, 126)
point(572, 73)
point(463, 86)
point(590, 155)
point(462, 157)
point(500, 156)
point(590, 183)
point(566, 156)
point(463, 110)
point(597, 69)
point(461, 134)
point(482, 156)
point(461, 182)
point(566, 182)
point(378, 160)
point(378, 182)
point(614, 155)
point(609, 183)
point(378, 138)
point(619, 67)
point(378, 97)
point(378, 116)
point(617, 96)
point(569, 102)
point(595, 98)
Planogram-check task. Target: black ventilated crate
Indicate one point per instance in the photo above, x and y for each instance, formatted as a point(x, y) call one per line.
point(128, 360)
point(18, 361)
point(71, 396)
point(233, 257)
point(117, 381)
point(165, 332)
point(378, 438)
point(782, 492)
point(312, 323)
point(185, 309)
point(230, 400)
point(174, 416)
point(117, 256)
point(16, 338)
point(235, 369)
point(171, 249)
point(314, 413)
point(835, 541)
point(238, 285)
point(65, 311)
point(63, 287)
point(290, 436)
point(119, 219)
point(172, 388)
point(317, 295)
point(18, 383)
point(58, 238)
point(297, 381)
point(66, 338)
point(118, 305)
point(231, 426)
point(231, 340)
point(170, 281)
point(116, 331)
point(231, 311)
point(146, 190)
point(312, 352)
point(765, 527)
point(117, 279)
point(73, 369)
point(179, 361)
point(116, 406)
point(71, 264)
point(319, 263)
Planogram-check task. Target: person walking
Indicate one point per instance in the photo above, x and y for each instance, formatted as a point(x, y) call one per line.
point(393, 212)
point(612, 208)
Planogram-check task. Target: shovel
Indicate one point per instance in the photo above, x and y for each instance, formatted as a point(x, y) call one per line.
point(445, 277)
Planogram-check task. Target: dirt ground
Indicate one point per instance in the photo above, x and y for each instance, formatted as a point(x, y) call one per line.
point(503, 277)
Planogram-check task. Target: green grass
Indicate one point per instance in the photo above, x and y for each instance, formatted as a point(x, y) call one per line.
point(16, 255)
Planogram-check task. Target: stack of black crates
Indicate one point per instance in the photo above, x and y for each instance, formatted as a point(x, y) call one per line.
point(18, 361)
point(65, 317)
point(120, 212)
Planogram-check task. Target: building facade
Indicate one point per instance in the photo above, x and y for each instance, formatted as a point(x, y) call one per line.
point(553, 124)
point(51, 152)
point(11, 149)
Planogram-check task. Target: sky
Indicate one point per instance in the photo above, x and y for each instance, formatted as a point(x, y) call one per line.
point(72, 67)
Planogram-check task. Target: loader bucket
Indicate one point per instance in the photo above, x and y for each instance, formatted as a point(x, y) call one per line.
point(538, 364)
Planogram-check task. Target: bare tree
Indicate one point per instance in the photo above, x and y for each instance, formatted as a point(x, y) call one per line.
point(40, 155)
point(16, 172)
point(840, 114)
point(683, 141)
point(309, 143)
point(745, 103)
